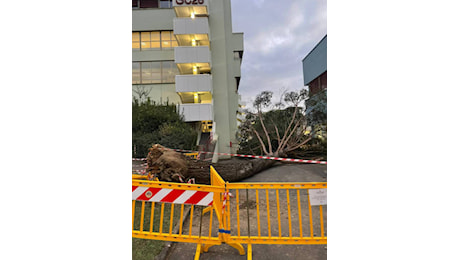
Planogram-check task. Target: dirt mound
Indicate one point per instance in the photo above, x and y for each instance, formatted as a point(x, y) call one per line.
point(166, 164)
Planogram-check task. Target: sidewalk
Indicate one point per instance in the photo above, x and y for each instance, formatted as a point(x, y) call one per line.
point(279, 173)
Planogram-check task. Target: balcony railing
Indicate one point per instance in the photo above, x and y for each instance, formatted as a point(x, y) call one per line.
point(199, 25)
point(194, 83)
point(189, 54)
point(196, 112)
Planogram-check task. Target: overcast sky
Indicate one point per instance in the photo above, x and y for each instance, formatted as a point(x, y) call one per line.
point(277, 36)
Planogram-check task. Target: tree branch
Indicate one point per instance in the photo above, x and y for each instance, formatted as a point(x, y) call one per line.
point(289, 137)
point(277, 134)
point(260, 140)
point(287, 130)
point(299, 145)
point(266, 133)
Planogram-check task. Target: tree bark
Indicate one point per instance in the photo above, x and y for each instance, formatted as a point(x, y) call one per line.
point(232, 170)
point(169, 165)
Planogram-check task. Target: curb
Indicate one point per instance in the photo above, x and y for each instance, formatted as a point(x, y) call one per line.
point(169, 245)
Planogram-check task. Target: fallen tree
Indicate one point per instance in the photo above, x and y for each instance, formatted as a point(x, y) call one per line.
point(168, 165)
point(274, 133)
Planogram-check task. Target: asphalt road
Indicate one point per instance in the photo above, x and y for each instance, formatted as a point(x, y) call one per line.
point(278, 173)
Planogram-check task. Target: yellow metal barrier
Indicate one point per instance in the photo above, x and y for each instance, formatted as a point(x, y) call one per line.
point(240, 213)
point(150, 220)
point(192, 155)
point(289, 217)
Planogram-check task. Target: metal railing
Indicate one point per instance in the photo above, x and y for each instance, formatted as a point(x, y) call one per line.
point(239, 213)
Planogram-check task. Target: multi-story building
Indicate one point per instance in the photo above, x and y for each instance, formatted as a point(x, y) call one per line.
point(184, 52)
point(315, 77)
point(315, 68)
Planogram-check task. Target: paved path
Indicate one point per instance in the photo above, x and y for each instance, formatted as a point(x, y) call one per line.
point(278, 173)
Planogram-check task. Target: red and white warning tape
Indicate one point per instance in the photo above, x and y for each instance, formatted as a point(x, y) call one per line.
point(252, 156)
point(227, 195)
point(143, 169)
point(258, 156)
point(202, 198)
point(224, 203)
point(142, 165)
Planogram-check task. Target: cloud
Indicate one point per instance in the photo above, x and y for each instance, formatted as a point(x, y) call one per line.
point(277, 36)
point(259, 3)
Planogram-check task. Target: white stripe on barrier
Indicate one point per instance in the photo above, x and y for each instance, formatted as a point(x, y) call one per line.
point(184, 197)
point(138, 192)
point(161, 194)
point(206, 200)
point(172, 196)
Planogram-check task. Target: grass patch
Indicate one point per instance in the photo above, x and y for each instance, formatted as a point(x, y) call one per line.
point(147, 248)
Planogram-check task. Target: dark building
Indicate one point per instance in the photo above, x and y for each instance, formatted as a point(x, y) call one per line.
point(315, 68)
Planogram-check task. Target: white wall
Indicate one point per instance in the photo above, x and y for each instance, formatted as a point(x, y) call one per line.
point(196, 112)
point(199, 25)
point(190, 54)
point(194, 83)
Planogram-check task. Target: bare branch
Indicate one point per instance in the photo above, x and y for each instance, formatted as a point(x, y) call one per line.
point(277, 133)
point(266, 133)
point(260, 140)
point(299, 145)
point(287, 139)
point(287, 130)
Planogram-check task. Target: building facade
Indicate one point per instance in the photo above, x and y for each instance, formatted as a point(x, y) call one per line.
point(315, 68)
point(315, 77)
point(184, 52)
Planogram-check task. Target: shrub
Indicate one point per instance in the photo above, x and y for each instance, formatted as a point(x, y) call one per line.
point(159, 123)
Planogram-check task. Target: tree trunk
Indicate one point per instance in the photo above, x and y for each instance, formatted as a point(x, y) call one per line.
point(230, 170)
point(169, 165)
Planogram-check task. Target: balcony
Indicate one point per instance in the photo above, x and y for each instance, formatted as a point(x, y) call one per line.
point(185, 8)
point(196, 112)
point(191, 26)
point(192, 32)
point(193, 60)
point(194, 83)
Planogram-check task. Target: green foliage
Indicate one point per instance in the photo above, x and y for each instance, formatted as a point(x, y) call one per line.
point(177, 135)
point(159, 123)
point(316, 109)
point(316, 112)
point(149, 116)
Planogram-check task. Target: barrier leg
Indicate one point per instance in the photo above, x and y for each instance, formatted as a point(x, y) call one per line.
point(249, 252)
point(238, 247)
point(198, 251)
point(206, 248)
point(206, 210)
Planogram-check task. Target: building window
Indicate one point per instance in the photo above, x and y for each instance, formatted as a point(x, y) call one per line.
point(157, 40)
point(154, 72)
point(165, 3)
point(148, 3)
point(152, 3)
